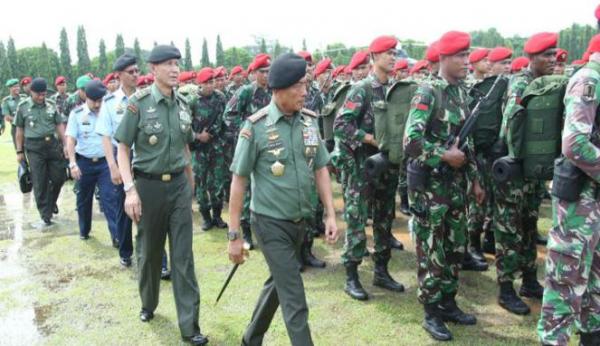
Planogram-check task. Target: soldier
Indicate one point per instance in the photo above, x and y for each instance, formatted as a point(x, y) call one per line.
point(432, 56)
point(561, 61)
point(359, 66)
point(26, 86)
point(400, 69)
point(111, 83)
point(220, 78)
point(186, 77)
point(280, 147)
point(517, 201)
point(9, 106)
point(245, 102)
point(78, 97)
point(480, 63)
point(419, 71)
point(60, 98)
point(158, 123)
point(236, 78)
point(208, 159)
point(518, 64)
point(339, 76)
point(571, 296)
point(438, 202)
point(500, 61)
point(38, 123)
point(355, 142)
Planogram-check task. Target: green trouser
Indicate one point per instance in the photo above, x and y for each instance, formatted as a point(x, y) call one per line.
point(167, 208)
point(47, 172)
point(280, 242)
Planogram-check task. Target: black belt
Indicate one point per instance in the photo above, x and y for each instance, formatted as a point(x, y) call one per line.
point(93, 159)
point(161, 177)
point(41, 139)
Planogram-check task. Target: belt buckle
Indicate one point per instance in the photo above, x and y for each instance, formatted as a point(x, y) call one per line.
point(95, 159)
point(165, 177)
point(47, 138)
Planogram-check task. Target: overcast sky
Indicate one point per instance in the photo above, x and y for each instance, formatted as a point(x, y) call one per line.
point(320, 22)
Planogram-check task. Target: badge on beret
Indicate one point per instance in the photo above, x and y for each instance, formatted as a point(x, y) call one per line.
point(153, 140)
point(277, 168)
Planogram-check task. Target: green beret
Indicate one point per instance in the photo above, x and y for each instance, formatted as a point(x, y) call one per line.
point(162, 53)
point(82, 81)
point(12, 82)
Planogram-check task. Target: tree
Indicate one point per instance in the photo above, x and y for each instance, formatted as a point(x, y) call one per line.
point(13, 62)
point(4, 68)
point(277, 50)
point(205, 61)
point(44, 62)
point(236, 56)
point(220, 57)
point(263, 45)
point(187, 60)
point(137, 51)
point(83, 58)
point(65, 55)
point(119, 46)
point(304, 44)
point(102, 59)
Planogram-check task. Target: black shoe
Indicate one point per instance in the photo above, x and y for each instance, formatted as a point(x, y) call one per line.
point(146, 316)
point(531, 288)
point(383, 279)
point(395, 243)
point(197, 340)
point(469, 263)
point(509, 300)
point(541, 239)
point(247, 236)
point(450, 312)
point(125, 262)
point(55, 209)
point(353, 287)
point(434, 325)
point(404, 207)
point(115, 243)
point(165, 274)
point(308, 259)
point(477, 254)
point(47, 221)
point(217, 220)
point(589, 339)
point(208, 221)
point(84, 237)
point(489, 243)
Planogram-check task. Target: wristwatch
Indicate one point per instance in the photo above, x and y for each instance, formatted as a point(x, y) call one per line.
point(233, 235)
point(72, 165)
point(128, 186)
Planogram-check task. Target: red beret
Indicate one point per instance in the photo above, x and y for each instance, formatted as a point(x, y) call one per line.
point(586, 56)
point(322, 66)
point(453, 42)
point(141, 81)
point(382, 44)
point(359, 58)
point(306, 56)
point(519, 63)
point(59, 80)
point(432, 54)
point(109, 77)
point(578, 62)
point(499, 54)
point(594, 45)
point(186, 76)
point(400, 64)
point(540, 42)
point(219, 72)
point(478, 54)
point(561, 55)
point(26, 80)
point(338, 70)
point(237, 69)
point(150, 78)
point(421, 64)
point(204, 75)
point(260, 60)
point(597, 13)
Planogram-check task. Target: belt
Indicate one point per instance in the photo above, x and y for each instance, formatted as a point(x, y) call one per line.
point(93, 159)
point(40, 139)
point(162, 177)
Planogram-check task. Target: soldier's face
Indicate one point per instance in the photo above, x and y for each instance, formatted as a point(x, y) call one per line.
point(15, 89)
point(261, 76)
point(482, 66)
point(238, 78)
point(292, 99)
point(208, 87)
point(220, 83)
point(500, 67)
point(457, 65)
point(129, 76)
point(167, 72)
point(38, 98)
point(385, 61)
point(361, 72)
point(543, 64)
point(310, 70)
point(113, 85)
point(94, 106)
point(61, 88)
point(559, 69)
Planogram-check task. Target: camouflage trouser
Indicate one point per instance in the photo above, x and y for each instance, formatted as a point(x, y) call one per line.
point(402, 182)
point(209, 171)
point(515, 227)
point(356, 201)
point(478, 215)
point(439, 226)
point(228, 149)
point(572, 289)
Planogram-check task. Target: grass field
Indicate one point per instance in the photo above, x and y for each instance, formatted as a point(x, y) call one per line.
point(58, 290)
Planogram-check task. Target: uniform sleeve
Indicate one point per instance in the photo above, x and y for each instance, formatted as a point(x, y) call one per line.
point(128, 128)
point(515, 92)
point(580, 117)
point(104, 124)
point(416, 144)
point(72, 126)
point(322, 158)
point(345, 127)
point(246, 154)
point(5, 108)
point(59, 118)
point(19, 120)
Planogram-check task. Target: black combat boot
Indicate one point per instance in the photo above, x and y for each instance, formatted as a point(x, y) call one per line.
point(308, 259)
point(217, 220)
point(531, 288)
point(383, 279)
point(450, 312)
point(489, 243)
point(434, 325)
point(353, 287)
point(208, 221)
point(589, 339)
point(470, 263)
point(404, 207)
point(509, 300)
point(395, 243)
point(247, 235)
point(475, 248)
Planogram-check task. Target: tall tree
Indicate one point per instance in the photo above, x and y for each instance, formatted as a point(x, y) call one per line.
point(4, 67)
point(137, 50)
point(102, 59)
point(220, 57)
point(13, 61)
point(187, 60)
point(119, 46)
point(304, 44)
point(205, 60)
point(83, 57)
point(277, 50)
point(66, 69)
point(44, 62)
point(263, 45)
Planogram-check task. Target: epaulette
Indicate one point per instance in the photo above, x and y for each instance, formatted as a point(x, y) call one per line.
point(108, 97)
point(308, 112)
point(78, 109)
point(182, 97)
point(23, 101)
point(259, 115)
point(5, 98)
point(140, 94)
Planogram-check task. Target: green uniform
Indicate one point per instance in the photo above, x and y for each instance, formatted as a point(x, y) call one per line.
point(9, 108)
point(159, 128)
point(71, 103)
point(43, 150)
point(60, 101)
point(281, 155)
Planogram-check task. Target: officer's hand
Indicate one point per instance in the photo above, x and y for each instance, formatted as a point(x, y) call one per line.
point(370, 139)
point(133, 205)
point(20, 157)
point(75, 172)
point(115, 175)
point(479, 192)
point(204, 136)
point(65, 152)
point(2, 130)
point(331, 230)
point(236, 251)
point(454, 156)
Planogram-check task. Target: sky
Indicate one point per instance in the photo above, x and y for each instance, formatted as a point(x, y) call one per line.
point(354, 23)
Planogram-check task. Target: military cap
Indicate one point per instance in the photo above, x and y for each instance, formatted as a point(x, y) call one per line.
point(150, 78)
point(561, 55)
point(454, 42)
point(82, 81)
point(578, 62)
point(338, 70)
point(419, 65)
point(519, 63)
point(204, 75)
point(260, 60)
point(499, 54)
point(141, 81)
point(306, 55)
point(219, 72)
point(186, 76)
point(237, 69)
point(286, 70)
point(162, 53)
point(586, 56)
point(59, 80)
point(594, 45)
point(95, 90)
point(432, 54)
point(26, 80)
point(124, 61)
point(323, 66)
point(359, 58)
point(109, 77)
point(39, 85)
point(382, 44)
point(11, 82)
point(540, 42)
point(478, 54)
point(400, 64)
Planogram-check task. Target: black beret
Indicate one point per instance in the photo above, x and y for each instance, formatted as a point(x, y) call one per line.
point(39, 85)
point(95, 90)
point(162, 53)
point(124, 61)
point(286, 70)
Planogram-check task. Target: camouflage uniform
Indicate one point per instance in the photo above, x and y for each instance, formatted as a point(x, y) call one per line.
point(61, 101)
point(231, 89)
point(439, 222)
point(9, 108)
point(71, 103)
point(572, 293)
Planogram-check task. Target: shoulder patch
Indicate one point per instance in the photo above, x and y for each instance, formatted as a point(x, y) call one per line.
point(108, 97)
point(308, 112)
point(259, 115)
point(246, 133)
point(132, 108)
point(78, 109)
point(589, 90)
point(423, 97)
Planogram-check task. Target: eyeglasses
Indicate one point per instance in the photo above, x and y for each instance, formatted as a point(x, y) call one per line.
point(132, 71)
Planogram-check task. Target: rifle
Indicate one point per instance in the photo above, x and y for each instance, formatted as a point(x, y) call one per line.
point(198, 128)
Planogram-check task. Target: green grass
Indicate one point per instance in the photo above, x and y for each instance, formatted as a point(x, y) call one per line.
point(80, 294)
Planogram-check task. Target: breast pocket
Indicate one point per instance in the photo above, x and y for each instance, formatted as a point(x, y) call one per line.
point(277, 161)
point(152, 131)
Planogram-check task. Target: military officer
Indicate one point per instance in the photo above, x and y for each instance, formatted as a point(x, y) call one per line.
point(111, 82)
point(281, 148)
point(400, 69)
point(9, 105)
point(432, 56)
point(359, 66)
point(158, 123)
point(419, 70)
point(78, 97)
point(500, 59)
point(236, 78)
point(60, 98)
point(480, 63)
point(26, 86)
